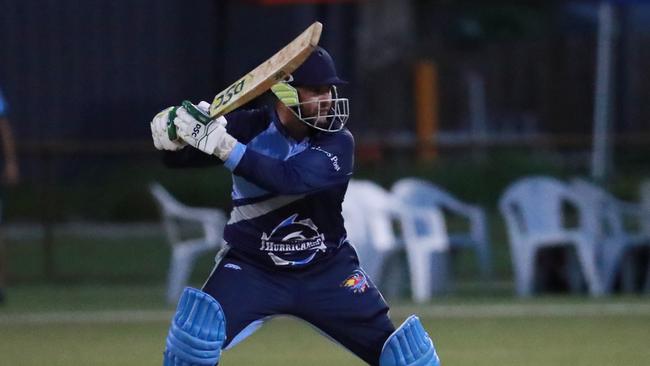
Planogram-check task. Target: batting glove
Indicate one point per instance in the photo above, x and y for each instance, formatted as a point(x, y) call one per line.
point(196, 128)
point(159, 131)
point(286, 93)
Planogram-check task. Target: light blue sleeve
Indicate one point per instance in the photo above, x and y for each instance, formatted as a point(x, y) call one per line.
point(235, 156)
point(326, 164)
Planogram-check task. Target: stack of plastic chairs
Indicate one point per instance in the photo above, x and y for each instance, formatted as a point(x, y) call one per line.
point(425, 194)
point(186, 251)
point(605, 216)
point(645, 224)
point(379, 226)
point(534, 216)
point(644, 194)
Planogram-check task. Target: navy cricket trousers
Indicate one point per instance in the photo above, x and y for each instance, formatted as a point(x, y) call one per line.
point(333, 294)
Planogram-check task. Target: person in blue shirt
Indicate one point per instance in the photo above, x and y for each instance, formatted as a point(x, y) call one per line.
point(10, 177)
point(286, 249)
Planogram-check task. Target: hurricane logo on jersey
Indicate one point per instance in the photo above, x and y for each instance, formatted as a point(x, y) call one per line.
point(293, 242)
point(357, 282)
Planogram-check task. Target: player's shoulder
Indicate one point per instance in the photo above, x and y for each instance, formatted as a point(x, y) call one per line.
point(248, 115)
point(245, 124)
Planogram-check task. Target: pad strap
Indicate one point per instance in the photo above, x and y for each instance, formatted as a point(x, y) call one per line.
point(409, 345)
point(197, 332)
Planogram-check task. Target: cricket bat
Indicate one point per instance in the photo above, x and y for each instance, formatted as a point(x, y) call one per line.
point(256, 82)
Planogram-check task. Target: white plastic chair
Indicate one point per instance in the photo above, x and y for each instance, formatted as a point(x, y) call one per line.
point(184, 252)
point(422, 193)
point(533, 212)
point(644, 194)
point(427, 246)
point(645, 224)
point(369, 220)
point(371, 214)
point(605, 217)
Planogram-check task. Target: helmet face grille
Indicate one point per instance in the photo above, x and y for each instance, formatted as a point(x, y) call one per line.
point(331, 121)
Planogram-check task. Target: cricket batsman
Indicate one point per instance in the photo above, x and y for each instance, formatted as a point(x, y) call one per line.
point(286, 249)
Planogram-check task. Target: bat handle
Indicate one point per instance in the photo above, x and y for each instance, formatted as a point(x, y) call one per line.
point(171, 127)
point(196, 112)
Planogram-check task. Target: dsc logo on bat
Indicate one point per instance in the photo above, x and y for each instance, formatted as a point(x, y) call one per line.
point(223, 98)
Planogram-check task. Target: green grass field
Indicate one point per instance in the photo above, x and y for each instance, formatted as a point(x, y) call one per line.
point(126, 325)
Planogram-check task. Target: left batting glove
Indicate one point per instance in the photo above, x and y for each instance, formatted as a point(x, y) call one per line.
point(159, 131)
point(196, 128)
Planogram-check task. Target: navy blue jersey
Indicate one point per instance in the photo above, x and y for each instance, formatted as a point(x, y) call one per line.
point(287, 194)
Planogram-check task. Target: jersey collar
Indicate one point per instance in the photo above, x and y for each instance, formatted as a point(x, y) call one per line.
point(283, 130)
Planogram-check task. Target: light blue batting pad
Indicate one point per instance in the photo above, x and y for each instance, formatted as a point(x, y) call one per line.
point(409, 345)
point(197, 332)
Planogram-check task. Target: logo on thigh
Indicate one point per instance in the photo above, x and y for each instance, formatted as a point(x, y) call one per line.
point(357, 282)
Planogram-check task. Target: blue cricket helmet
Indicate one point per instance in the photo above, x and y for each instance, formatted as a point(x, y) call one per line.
point(317, 70)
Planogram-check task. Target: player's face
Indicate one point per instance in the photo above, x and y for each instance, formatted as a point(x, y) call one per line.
point(315, 100)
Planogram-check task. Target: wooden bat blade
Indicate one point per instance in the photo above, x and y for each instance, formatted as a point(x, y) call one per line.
point(271, 71)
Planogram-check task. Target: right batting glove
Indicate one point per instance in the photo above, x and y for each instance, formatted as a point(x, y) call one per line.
point(195, 127)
